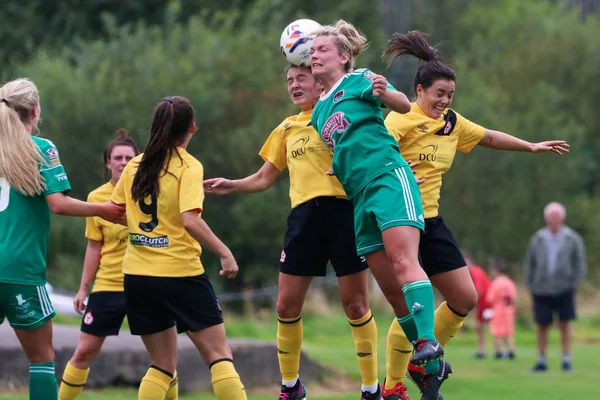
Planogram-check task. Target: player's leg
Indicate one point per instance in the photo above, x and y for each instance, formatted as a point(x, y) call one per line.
point(193, 303)
point(400, 223)
point(103, 317)
point(304, 255)
point(29, 312)
point(399, 347)
point(290, 300)
point(162, 348)
point(565, 303)
point(351, 270)
point(150, 318)
point(212, 344)
point(77, 369)
point(444, 264)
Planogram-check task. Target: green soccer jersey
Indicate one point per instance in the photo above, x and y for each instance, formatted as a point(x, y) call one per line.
point(25, 222)
point(350, 121)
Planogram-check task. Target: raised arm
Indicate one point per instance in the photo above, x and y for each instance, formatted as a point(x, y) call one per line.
point(258, 182)
point(393, 99)
point(503, 141)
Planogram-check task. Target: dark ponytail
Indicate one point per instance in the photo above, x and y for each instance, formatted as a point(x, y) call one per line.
point(414, 43)
point(122, 138)
point(173, 118)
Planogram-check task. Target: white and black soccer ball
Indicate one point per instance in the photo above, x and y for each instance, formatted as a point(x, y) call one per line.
point(296, 41)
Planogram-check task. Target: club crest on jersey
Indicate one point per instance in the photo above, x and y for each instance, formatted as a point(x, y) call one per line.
point(448, 128)
point(335, 123)
point(338, 96)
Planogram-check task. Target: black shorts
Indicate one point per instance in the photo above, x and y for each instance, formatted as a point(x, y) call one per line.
point(155, 304)
point(438, 250)
point(321, 230)
point(563, 303)
point(104, 314)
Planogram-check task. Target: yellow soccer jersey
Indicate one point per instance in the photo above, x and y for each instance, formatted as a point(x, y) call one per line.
point(109, 277)
point(297, 145)
point(159, 245)
point(432, 142)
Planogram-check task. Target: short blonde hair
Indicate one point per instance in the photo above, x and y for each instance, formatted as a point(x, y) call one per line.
point(20, 158)
point(348, 40)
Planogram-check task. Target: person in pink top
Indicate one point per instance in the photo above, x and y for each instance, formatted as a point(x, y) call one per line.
point(501, 297)
point(481, 281)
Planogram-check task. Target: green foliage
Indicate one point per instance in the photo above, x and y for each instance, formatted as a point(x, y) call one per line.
point(520, 71)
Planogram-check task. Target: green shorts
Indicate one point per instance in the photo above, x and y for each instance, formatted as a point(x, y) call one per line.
point(25, 306)
point(391, 199)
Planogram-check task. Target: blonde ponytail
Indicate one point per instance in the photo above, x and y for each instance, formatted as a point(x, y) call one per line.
point(20, 158)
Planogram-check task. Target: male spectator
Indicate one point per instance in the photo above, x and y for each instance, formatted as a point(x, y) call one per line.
point(555, 264)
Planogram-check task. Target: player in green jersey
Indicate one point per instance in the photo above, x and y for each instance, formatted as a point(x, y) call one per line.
point(388, 215)
point(32, 183)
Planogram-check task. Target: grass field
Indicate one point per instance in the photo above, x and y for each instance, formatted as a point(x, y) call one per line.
point(328, 340)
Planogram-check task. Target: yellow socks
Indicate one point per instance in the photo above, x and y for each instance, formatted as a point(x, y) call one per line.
point(155, 384)
point(173, 391)
point(73, 381)
point(398, 353)
point(289, 342)
point(447, 323)
point(226, 381)
point(364, 333)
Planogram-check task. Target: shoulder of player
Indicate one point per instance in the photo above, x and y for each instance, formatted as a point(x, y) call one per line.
point(101, 194)
point(287, 125)
point(362, 72)
point(43, 144)
point(189, 161)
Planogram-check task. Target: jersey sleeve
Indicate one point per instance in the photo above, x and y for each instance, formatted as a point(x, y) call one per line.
point(469, 133)
point(52, 171)
point(394, 125)
point(118, 196)
point(93, 229)
point(191, 190)
point(367, 90)
point(274, 149)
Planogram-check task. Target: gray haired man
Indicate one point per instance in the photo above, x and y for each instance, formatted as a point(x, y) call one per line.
point(555, 264)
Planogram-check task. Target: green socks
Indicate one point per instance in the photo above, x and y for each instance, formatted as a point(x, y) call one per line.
point(42, 382)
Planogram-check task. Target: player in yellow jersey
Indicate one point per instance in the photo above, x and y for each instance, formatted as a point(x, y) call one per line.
point(431, 133)
point(103, 264)
point(165, 285)
point(320, 229)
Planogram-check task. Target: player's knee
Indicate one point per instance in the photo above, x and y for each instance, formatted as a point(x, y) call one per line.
point(467, 303)
point(84, 355)
point(42, 355)
point(218, 353)
point(288, 307)
point(356, 307)
point(403, 263)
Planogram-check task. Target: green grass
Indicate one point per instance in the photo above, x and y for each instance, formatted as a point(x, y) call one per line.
point(328, 340)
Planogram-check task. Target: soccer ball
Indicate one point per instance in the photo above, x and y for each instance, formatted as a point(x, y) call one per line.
point(295, 40)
